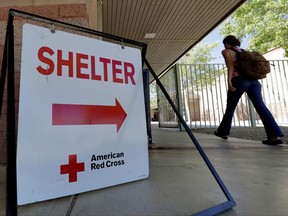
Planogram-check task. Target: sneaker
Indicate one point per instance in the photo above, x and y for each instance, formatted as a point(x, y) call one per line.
point(219, 135)
point(272, 142)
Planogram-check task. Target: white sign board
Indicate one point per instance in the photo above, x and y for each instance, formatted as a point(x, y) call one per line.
point(81, 115)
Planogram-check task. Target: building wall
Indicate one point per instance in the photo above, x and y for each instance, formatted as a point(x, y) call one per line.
point(276, 54)
point(71, 11)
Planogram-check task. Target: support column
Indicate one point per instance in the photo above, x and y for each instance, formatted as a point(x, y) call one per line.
point(94, 9)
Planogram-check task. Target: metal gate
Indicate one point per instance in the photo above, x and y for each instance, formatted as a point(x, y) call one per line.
point(200, 93)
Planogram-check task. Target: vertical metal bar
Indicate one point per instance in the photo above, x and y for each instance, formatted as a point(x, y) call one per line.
point(207, 97)
point(193, 98)
point(11, 179)
point(158, 104)
point(274, 92)
point(178, 93)
point(186, 93)
point(246, 110)
point(285, 86)
point(281, 87)
point(188, 108)
point(193, 104)
point(277, 99)
point(147, 104)
point(176, 81)
point(225, 89)
point(216, 93)
point(192, 137)
point(233, 119)
point(202, 95)
point(197, 91)
point(285, 75)
point(243, 108)
point(211, 92)
point(143, 54)
point(252, 114)
point(268, 99)
point(188, 71)
point(265, 94)
point(264, 85)
point(181, 88)
point(242, 103)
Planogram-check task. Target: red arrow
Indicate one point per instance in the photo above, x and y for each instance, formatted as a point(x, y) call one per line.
point(77, 114)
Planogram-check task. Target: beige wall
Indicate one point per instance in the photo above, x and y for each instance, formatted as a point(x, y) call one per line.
point(11, 3)
point(276, 54)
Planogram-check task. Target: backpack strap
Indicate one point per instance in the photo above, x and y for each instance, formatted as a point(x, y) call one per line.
point(237, 51)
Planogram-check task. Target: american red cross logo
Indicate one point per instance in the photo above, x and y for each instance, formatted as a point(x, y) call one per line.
point(72, 168)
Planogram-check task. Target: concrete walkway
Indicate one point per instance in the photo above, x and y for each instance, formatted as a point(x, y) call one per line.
point(181, 184)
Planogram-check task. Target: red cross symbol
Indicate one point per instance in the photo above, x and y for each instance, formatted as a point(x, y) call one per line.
point(72, 168)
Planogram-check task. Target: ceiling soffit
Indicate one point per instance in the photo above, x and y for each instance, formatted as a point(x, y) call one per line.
point(178, 24)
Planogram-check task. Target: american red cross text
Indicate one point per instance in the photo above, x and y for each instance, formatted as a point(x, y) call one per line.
point(72, 168)
point(83, 66)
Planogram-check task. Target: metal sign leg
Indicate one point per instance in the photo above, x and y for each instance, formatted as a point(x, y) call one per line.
point(216, 209)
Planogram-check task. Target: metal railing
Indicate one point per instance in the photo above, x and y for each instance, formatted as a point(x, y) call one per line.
point(200, 92)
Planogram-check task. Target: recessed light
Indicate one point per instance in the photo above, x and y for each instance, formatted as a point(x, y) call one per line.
point(150, 35)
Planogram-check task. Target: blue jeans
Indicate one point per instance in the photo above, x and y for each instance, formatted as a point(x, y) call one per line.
point(253, 90)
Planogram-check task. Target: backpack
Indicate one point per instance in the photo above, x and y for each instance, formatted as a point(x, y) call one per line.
point(251, 65)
